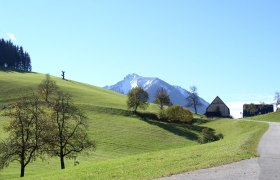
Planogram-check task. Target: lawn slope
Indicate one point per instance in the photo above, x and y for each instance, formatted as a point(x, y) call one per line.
point(129, 147)
point(270, 117)
point(239, 143)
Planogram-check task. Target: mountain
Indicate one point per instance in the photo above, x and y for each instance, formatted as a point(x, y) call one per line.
point(151, 85)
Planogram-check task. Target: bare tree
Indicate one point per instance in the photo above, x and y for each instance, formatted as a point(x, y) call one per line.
point(193, 100)
point(69, 135)
point(25, 132)
point(162, 98)
point(63, 75)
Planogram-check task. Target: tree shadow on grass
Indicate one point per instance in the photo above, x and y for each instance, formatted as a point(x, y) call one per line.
point(188, 131)
point(183, 130)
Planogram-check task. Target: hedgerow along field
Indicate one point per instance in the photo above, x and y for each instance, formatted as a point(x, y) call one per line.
point(130, 147)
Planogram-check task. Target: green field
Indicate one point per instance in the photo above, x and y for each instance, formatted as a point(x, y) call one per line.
point(129, 147)
point(271, 117)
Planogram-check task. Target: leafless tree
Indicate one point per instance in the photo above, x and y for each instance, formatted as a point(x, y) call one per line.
point(47, 88)
point(69, 133)
point(162, 98)
point(193, 99)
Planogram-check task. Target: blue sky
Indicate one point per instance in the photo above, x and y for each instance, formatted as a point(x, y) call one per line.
point(225, 48)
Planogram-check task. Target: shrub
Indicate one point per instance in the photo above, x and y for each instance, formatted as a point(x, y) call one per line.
point(178, 114)
point(209, 135)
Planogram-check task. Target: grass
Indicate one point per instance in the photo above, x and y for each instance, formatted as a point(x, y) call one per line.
point(270, 117)
point(239, 143)
point(129, 147)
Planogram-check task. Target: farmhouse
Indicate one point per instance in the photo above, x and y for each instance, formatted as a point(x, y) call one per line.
point(256, 109)
point(217, 109)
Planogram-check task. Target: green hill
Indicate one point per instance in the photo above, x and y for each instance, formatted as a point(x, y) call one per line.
point(128, 146)
point(270, 117)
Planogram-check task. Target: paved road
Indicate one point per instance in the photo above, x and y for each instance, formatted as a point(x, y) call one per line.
point(269, 149)
point(266, 167)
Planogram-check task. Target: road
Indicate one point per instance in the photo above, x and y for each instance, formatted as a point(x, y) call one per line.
point(266, 167)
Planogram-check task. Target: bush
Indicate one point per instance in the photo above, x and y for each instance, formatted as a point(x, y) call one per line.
point(177, 113)
point(209, 135)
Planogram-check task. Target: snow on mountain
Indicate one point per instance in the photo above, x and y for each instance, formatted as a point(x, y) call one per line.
point(151, 85)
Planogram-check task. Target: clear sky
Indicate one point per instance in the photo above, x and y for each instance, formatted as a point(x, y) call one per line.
point(229, 48)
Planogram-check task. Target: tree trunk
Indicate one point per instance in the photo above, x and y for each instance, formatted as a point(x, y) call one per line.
point(22, 154)
point(195, 110)
point(22, 169)
point(161, 106)
point(135, 109)
point(62, 165)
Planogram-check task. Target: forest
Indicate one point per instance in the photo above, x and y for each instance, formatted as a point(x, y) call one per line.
point(13, 57)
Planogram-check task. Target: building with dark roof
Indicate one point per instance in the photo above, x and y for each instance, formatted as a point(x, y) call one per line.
point(250, 110)
point(217, 109)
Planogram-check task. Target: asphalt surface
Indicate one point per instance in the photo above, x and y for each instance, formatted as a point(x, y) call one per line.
point(266, 167)
point(269, 149)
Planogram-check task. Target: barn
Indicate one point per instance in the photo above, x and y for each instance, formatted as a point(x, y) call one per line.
point(217, 109)
point(256, 109)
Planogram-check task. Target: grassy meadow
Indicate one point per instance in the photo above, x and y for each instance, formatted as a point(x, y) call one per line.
point(130, 147)
point(271, 117)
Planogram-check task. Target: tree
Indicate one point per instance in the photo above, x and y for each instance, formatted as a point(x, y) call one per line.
point(137, 97)
point(193, 100)
point(277, 99)
point(47, 88)
point(63, 75)
point(68, 135)
point(162, 98)
point(251, 108)
point(25, 132)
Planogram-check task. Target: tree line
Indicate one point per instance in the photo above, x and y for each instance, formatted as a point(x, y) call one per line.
point(46, 123)
point(13, 57)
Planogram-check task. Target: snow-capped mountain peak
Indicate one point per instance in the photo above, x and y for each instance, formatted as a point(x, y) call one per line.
point(151, 85)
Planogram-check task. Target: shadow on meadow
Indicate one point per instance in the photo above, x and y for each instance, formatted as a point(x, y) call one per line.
point(189, 131)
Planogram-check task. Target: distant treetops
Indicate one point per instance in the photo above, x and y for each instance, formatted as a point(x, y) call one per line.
point(13, 57)
point(138, 98)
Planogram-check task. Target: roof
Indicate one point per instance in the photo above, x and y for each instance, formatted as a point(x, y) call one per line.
point(217, 100)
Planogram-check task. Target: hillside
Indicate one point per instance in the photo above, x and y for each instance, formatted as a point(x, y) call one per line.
point(151, 85)
point(128, 146)
point(270, 117)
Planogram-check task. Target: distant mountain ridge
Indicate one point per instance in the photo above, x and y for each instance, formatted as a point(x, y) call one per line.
point(151, 85)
